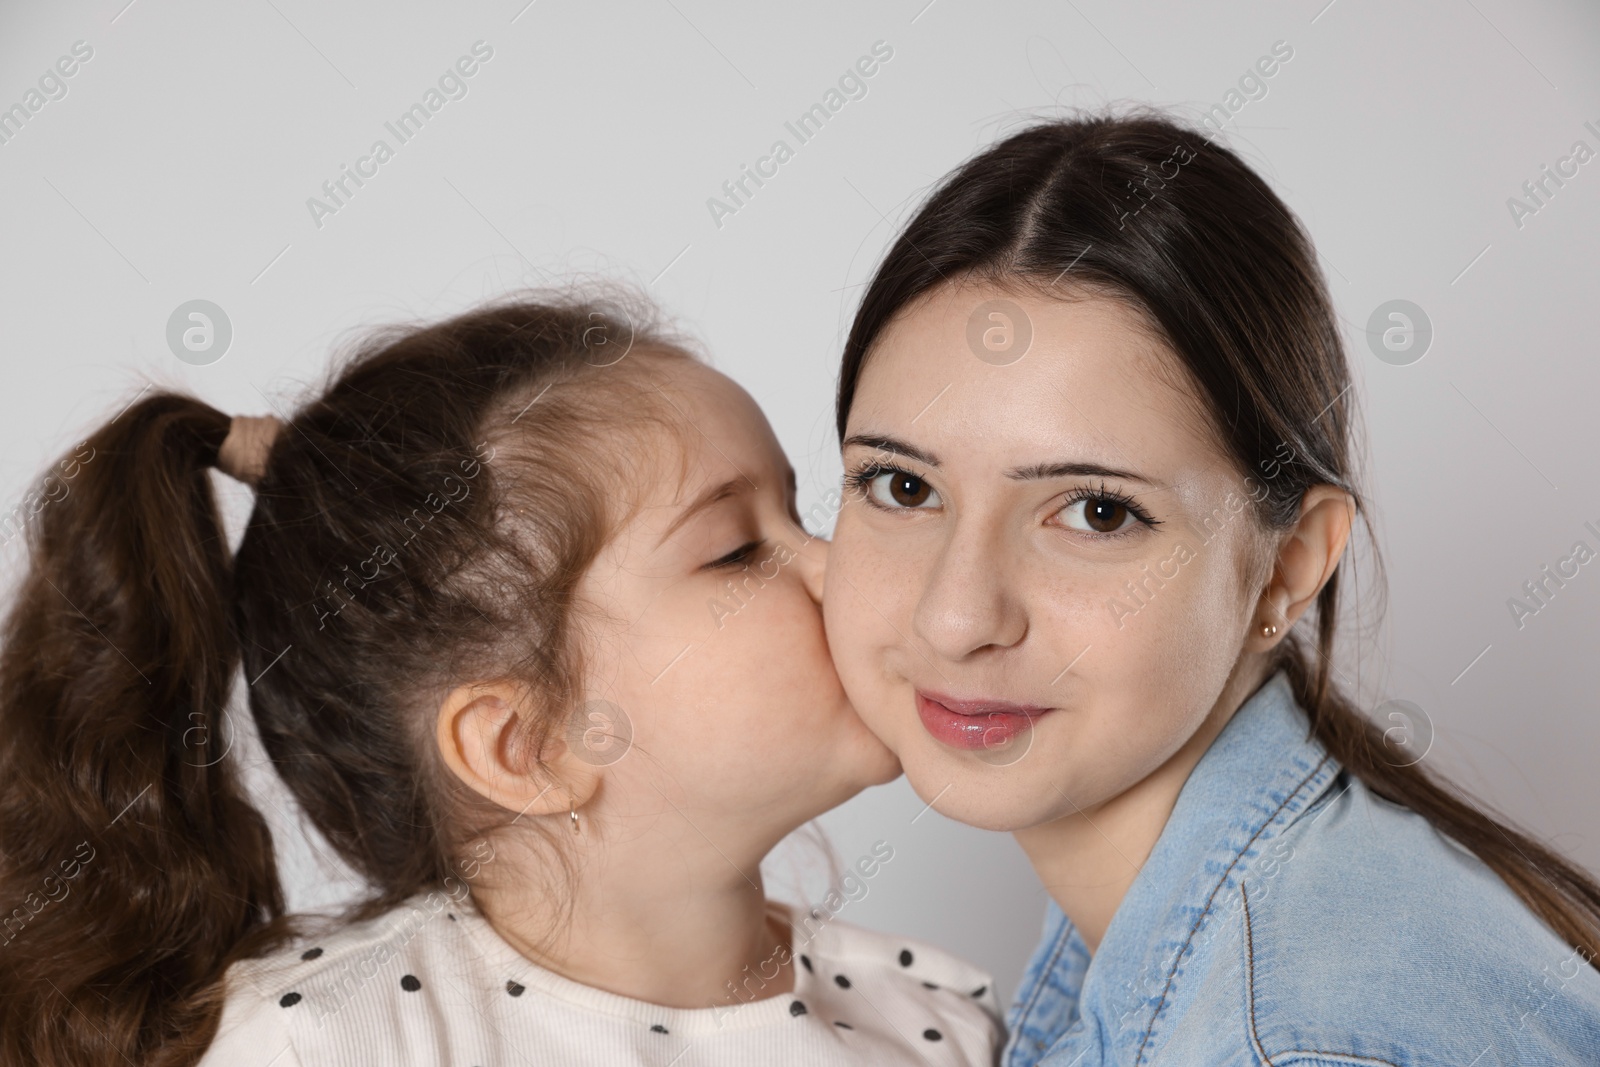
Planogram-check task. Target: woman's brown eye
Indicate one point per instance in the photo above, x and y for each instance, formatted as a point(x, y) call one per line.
point(907, 491)
point(1105, 516)
point(897, 489)
point(1097, 514)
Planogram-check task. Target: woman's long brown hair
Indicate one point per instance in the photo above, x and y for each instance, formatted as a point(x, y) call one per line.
point(1144, 209)
point(422, 521)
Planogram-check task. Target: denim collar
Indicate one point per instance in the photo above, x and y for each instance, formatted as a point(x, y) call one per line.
point(1261, 773)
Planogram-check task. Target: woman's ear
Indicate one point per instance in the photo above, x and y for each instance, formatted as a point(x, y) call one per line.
point(1307, 556)
point(478, 733)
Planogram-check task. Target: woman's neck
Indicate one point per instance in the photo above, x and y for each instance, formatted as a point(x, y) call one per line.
point(665, 918)
point(1089, 858)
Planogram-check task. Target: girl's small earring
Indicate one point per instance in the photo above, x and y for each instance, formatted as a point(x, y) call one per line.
point(1269, 630)
point(572, 812)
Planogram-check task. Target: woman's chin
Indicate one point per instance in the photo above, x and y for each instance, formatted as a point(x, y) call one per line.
point(982, 814)
point(987, 798)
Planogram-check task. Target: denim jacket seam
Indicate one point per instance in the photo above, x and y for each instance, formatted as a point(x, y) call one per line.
point(1042, 979)
point(1287, 1055)
point(1177, 957)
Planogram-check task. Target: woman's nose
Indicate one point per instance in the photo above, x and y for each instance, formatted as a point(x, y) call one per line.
point(966, 603)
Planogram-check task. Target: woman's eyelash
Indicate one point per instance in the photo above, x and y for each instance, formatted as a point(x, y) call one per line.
point(1111, 496)
point(860, 479)
point(738, 555)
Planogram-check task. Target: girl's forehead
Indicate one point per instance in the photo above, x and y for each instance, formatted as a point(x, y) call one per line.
point(710, 432)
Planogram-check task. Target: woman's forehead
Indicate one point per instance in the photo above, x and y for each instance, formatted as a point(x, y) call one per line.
point(1093, 377)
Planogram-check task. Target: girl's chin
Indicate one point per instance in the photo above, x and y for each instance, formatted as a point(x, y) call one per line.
point(889, 769)
point(870, 764)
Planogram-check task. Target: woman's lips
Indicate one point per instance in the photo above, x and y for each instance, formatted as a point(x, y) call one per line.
point(975, 724)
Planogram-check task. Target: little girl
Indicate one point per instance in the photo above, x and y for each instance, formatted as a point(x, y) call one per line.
point(530, 629)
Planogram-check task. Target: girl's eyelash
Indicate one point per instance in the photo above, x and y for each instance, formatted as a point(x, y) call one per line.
point(738, 555)
point(860, 481)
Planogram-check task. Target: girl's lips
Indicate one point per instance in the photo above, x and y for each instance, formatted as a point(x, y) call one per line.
point(975, 724)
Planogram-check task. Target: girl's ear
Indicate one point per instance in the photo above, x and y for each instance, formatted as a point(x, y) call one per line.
point(477, 734)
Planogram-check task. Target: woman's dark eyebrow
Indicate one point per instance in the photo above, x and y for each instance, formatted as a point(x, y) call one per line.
point(889, 444)
point(1036, 471)
point(1074, 470)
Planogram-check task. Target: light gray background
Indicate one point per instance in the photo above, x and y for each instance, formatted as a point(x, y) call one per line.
point(179, 163)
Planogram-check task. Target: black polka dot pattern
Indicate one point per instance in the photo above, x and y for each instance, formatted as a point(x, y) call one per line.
point(411, 984)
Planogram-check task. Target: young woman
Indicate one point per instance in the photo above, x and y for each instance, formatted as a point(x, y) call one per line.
point(477, 603)
point(1095, 419)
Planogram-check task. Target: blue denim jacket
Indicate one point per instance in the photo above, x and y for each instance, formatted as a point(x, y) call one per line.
point(1289, 916)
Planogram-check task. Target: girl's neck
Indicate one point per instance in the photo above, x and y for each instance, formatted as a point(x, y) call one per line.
point(678, 930)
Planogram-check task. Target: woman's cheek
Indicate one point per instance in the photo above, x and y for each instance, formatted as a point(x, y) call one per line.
point(886, 582)
point(850, 639)
point(838, 593)
point(1178, 640)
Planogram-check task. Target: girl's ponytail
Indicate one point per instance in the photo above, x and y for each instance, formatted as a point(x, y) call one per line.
point(133, 869)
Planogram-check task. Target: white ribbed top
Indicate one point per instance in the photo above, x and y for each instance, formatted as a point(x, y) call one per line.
point(435, 984)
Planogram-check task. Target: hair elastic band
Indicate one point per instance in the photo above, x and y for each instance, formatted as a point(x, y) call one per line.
point(243, 453)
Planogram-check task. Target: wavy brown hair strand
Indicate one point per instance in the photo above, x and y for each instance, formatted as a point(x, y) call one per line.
point(117, 657)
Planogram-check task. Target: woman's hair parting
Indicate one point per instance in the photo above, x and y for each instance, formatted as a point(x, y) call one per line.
point(423, 521)
point(1143, 209)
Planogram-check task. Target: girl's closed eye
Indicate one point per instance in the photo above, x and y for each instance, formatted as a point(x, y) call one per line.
point(737, 557)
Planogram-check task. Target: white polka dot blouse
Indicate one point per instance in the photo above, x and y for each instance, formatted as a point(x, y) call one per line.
point(431, 984)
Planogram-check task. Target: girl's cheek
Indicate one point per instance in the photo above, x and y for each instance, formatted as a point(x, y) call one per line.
point(776, 616)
